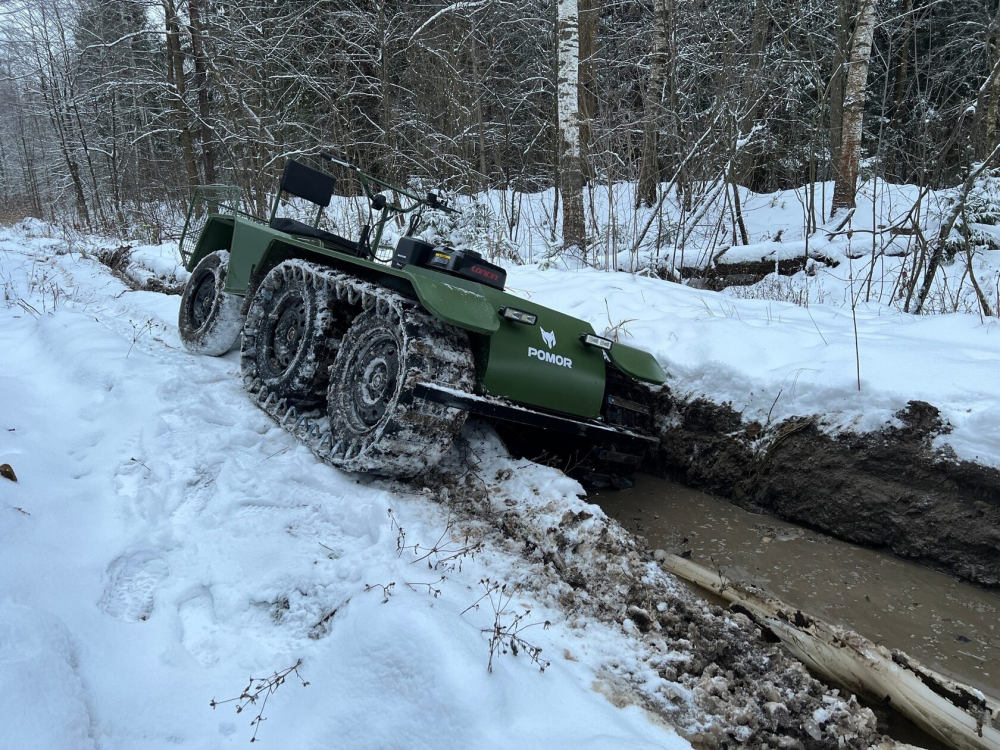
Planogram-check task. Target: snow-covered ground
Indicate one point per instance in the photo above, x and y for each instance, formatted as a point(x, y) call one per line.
point(165, 540)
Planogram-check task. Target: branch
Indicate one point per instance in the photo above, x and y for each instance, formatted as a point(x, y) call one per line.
point(454, 7)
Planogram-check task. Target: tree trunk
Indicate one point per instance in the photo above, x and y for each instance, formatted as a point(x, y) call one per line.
point(902, 61)
point(649, 169)
point(568, 96)
point(835, 95)
point(990, 135)
point(175, 82)
point(383, 74)
point(589, 14)
point(201, 81)
point(478, 93)
point(855, 87)
point(985, 124)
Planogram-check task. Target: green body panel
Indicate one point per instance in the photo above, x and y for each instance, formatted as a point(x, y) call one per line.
point(250, 242)
point(217, 234)
point(457, 301)
point(528, 364)
point(637, 363)
point(543, 365)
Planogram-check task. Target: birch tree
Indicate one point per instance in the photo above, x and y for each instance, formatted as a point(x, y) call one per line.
point(568, 109)
point(855, 88)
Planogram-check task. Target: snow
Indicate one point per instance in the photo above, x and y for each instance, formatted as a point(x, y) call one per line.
point(175, 541)
point(760, 354)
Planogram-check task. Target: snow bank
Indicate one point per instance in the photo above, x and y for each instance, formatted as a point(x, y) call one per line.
point(172, 541)
point(782, 359)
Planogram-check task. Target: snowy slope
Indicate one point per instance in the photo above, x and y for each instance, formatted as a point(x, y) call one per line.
point(166, 540)
point(785, 346)
point(753, 351)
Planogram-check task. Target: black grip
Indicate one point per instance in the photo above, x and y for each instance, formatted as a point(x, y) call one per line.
point(432, 201)
point(335, 159)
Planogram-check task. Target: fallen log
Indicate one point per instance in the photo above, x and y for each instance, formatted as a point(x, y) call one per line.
point(958, 715)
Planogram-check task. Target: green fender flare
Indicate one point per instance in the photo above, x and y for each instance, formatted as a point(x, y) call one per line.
point(456, 301)
point(640, 364)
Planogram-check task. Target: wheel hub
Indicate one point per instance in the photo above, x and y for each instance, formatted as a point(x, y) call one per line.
point(202, 300)
point(286, 337)
point(374, 387)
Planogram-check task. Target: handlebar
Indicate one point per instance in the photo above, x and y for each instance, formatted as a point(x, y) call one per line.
point(431, 201)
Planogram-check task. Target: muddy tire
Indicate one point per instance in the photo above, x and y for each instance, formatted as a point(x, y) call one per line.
point(377, 425)
point(291, 335)
point(209, 321)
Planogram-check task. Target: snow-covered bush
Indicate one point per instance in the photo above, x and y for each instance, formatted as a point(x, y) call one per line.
point(978, 222)
point(476, 228)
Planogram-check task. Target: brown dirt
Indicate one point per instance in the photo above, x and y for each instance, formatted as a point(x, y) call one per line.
point(721, 682)
point(888, 489)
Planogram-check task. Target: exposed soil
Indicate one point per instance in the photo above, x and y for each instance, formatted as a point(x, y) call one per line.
point(711, 673)
point(889, 488)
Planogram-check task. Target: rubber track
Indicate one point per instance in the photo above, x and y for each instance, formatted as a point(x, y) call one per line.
point(426, 429)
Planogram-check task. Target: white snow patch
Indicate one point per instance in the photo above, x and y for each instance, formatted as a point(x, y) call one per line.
point(173, 540)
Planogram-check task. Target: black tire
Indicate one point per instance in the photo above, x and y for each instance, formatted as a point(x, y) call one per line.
point(291, 335)
point(377, 425)
point(210, 321)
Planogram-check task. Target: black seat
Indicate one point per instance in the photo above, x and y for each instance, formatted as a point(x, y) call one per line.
point(306, 182)
point(330, 240)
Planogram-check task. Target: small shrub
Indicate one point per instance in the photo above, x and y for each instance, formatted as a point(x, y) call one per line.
point(261, 689)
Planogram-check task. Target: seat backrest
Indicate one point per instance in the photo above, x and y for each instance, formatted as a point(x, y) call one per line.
point(308, 183)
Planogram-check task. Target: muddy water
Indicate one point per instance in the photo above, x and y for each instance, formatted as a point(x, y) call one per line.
point(950, 626)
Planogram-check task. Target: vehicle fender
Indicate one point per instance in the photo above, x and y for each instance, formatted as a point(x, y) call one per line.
point(217, 234)
point(458, 302)
point(637, 363)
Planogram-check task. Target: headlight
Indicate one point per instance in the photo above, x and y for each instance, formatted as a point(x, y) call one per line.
point(518, 316)
point(599, 341)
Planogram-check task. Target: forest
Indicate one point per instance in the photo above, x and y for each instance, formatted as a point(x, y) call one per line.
point(714, 301)
point(114, 109)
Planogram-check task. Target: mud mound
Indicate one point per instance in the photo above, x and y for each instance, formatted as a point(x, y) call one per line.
point(889, 489)
point(708, 672)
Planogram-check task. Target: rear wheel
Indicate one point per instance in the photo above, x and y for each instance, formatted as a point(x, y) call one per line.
point(291, 335)
point(209, 320)
point(376, 422)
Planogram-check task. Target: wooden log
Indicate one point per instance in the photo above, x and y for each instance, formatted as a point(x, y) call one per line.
point(958, 715)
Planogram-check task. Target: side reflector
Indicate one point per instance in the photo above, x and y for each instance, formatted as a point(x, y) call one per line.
point(518, 316)
point(599, 341)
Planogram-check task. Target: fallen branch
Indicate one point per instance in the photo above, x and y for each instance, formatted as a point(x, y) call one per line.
point(958, 715)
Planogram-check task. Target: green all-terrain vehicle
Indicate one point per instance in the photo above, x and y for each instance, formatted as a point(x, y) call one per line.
point(376, 362)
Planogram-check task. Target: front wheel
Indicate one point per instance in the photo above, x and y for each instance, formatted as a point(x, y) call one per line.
point(210, 321)
point(377, 423)
point(293, 328)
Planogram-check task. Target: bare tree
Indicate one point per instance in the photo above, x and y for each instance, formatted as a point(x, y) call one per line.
point(649, 171)
point(568, 107)
point(855, 88)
